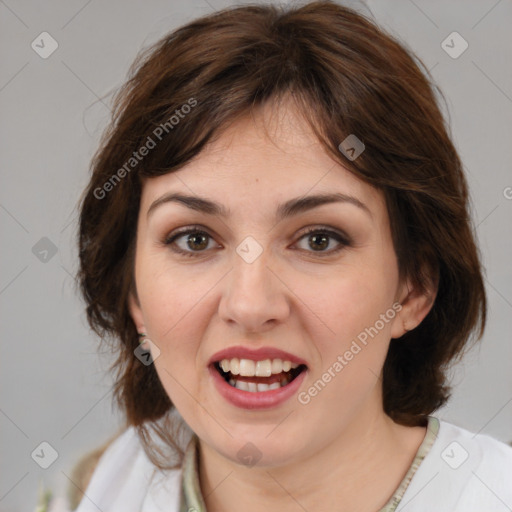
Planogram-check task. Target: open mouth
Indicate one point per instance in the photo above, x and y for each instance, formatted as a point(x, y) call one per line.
point(258, 376)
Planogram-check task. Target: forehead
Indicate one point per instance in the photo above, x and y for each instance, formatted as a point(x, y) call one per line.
point(263, 158)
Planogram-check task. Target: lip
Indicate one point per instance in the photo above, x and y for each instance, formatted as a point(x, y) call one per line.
point(259, 354)
point(259, 399)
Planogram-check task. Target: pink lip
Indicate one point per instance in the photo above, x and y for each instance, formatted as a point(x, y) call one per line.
point(257, 400)
point(259, 354)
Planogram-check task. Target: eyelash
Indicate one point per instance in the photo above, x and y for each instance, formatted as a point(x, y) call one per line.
point(341, 239)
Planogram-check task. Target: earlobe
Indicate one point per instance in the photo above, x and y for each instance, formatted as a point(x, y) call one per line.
point(136, 313)
point(415, 307)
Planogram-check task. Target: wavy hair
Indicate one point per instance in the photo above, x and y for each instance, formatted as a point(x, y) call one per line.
point(347, 76)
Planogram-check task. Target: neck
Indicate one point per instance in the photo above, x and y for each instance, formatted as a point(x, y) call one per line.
point(359, 471)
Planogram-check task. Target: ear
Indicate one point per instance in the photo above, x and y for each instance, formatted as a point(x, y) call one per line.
point(136, 312)
point(415, 306)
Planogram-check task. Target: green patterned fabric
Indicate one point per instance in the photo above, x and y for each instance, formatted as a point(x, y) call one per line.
point(430, 437)
point(192, 499)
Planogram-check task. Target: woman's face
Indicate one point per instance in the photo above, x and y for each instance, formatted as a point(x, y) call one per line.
point(253, 285)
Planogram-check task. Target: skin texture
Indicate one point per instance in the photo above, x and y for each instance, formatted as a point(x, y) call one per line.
point(308, 301)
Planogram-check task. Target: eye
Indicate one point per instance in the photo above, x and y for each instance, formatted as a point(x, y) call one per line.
point(194, 241)
point(319, 239)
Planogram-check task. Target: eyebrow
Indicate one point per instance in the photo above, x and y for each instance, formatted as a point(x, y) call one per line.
point(285, 210)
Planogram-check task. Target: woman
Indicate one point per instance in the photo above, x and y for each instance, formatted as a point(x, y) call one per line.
point(279, 217)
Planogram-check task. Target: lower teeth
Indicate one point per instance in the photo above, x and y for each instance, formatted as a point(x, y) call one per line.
point(254, 387)
point(260, 387)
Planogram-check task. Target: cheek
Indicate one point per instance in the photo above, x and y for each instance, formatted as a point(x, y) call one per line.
point(168, 296)
point(173, 327)
point(352, 356)
point(351, 309)
point(175, 320)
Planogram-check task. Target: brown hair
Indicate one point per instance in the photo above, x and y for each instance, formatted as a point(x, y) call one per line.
point(347, 76)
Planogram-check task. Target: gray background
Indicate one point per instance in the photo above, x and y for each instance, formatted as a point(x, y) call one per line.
point(54, 385)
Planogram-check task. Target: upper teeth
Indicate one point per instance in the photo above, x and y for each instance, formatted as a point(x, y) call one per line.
point(250, 368)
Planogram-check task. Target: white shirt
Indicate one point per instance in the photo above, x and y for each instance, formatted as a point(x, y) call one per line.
point(462, 472)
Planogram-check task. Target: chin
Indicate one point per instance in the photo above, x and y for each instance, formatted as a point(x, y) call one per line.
point(257, 448)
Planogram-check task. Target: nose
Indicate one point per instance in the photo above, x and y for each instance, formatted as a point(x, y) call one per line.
point(254, 297)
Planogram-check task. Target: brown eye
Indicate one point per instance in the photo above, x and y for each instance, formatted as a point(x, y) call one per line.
point(189, 241)
point(197, 241)
point(319, 239)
